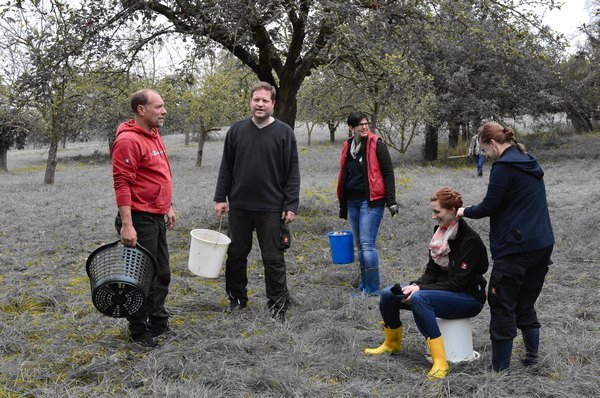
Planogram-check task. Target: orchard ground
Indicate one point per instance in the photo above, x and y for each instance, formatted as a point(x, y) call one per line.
point(54, 343)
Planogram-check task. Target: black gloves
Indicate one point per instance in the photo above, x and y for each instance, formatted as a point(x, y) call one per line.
point(393, 210)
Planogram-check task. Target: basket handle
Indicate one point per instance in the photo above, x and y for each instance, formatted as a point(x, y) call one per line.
point(116, 243)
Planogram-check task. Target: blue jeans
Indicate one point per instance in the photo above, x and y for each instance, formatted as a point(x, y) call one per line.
point(426, 305)
point(479, 159)
point(365, 221)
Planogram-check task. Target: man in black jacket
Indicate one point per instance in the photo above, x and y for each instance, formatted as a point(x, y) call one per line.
point(259, 188)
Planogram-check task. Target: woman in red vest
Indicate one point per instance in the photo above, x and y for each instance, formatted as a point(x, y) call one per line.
point(365, 185)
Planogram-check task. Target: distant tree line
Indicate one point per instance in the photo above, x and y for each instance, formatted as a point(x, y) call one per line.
point(417, 68)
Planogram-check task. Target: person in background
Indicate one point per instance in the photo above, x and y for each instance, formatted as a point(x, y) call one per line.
point(365, 185)
point(452, 286)
point(143, 189)
point(475, 153)
point(521, 242)
point(260, 178)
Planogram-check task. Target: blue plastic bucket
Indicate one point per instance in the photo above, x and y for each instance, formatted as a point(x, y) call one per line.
point(342, 247)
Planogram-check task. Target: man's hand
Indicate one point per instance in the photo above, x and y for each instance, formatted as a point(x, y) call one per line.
point(221, 208)
point(171, 218)
point(128, 235)
point(288, 216)
point(393, 210)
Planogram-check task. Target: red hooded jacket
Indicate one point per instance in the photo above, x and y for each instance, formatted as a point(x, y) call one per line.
point(141, 171)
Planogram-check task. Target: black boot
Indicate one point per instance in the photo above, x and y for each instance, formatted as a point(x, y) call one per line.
point(138, 330)
point(144, 339)
point(531, 339)
point(159, 328)
point(501, 352)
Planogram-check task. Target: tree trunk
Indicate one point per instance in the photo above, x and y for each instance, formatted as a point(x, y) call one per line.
point(430, 148)
point(464, 132)
point(51, 163)
point(110, 139)
point(332, 127)
point(581, 122)
point(3, 159)
point(453, 132)
point(375, 117)
point(309, 129)
point(187, 138)
point(286, 105)
point(55, 137)
point(201, 141)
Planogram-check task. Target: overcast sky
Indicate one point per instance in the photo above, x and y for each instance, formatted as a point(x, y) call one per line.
point(572, 14)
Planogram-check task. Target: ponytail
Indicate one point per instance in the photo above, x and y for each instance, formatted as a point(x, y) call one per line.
point(510, 137)
point(500, 134)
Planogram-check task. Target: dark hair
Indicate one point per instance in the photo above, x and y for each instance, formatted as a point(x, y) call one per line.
point(449, 198)
point(139, 98)
point(264, 86)
point(355, 118)
point(497, 132)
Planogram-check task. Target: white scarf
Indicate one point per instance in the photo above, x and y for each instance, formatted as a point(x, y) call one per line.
point(439, 247)
point(355, 148)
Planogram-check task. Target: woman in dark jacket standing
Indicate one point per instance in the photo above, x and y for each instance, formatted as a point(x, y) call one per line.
point(521, 242)
point(365, 185)
point(452, 286)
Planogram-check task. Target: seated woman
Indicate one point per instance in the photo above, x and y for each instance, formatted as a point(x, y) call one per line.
point(452, 286)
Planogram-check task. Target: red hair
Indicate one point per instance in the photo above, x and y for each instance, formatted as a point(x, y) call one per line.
point(500, 134)
point(449, 198)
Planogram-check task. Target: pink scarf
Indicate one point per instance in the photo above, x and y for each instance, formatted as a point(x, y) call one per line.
point(439, 247)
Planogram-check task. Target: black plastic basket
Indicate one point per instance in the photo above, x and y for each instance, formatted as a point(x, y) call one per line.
point(120, 278)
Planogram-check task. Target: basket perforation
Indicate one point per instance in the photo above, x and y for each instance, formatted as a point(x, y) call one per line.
point(120, 278)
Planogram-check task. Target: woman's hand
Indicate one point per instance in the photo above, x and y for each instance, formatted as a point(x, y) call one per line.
point(460, 212)
point(409, 290)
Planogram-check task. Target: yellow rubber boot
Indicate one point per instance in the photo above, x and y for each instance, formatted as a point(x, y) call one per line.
point(439, 370)
point(392, 343)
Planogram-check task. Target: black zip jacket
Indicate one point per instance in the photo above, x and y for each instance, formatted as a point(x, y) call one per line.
point(468, 261)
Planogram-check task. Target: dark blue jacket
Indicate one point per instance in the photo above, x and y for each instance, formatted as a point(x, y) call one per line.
point(516, 204)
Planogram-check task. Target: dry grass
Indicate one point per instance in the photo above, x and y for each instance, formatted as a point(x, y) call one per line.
point(54, 343)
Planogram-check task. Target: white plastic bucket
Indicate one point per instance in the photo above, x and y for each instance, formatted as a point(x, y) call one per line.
point(207, 252)
point(458, 339)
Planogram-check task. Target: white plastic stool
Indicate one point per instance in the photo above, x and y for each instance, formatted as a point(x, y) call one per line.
point(458, 339)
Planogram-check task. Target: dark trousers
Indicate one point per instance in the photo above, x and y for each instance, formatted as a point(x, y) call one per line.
point(152, 235)
point(515, 284)
point(268, 228)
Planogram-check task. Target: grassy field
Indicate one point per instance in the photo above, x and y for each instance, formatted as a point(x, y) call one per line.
point(53, 343)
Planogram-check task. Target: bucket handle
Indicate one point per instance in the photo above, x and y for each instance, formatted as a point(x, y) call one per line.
point(219, 234)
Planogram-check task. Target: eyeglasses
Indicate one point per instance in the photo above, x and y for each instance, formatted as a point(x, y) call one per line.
point(363, 124)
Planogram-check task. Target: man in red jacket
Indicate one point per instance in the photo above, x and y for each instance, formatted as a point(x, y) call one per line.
point(143, 188)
